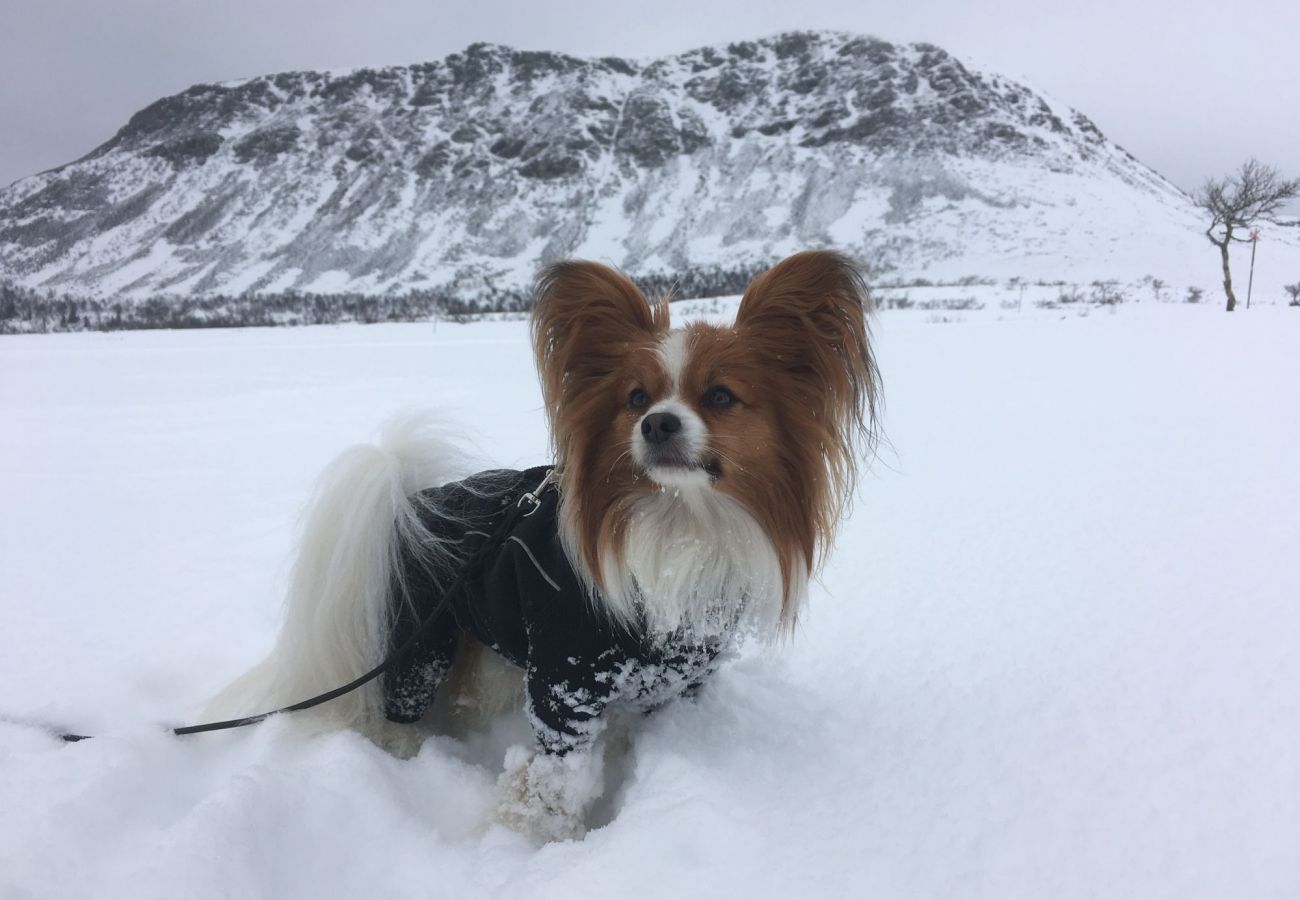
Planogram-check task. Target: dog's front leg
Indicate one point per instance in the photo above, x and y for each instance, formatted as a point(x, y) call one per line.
point(546, 792)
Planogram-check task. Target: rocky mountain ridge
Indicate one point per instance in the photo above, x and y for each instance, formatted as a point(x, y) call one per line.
point(462, 175)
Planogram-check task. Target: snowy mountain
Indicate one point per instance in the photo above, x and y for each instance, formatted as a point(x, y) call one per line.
point(462, 175)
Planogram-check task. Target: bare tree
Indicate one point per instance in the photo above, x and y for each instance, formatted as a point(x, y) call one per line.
point(1256, 193)
point(1294, 291)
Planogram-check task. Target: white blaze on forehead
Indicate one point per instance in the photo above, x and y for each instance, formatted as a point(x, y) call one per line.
point(672, 351)
point(693, 436)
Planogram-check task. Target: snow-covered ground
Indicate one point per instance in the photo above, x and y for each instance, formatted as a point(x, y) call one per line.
point(1057, 653)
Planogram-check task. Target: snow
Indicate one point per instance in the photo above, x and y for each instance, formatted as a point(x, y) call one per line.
point(1054, 654)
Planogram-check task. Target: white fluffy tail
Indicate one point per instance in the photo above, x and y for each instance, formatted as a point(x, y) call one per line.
point(337, 612)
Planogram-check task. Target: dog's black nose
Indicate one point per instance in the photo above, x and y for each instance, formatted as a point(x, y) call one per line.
point(657, 428)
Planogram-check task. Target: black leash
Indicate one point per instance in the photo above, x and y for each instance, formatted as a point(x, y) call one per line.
point(495, 540)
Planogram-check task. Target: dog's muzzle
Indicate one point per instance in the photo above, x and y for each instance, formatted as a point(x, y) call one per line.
point(670, 448)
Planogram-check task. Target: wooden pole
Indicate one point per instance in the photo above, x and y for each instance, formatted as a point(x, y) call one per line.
point(1250, 282)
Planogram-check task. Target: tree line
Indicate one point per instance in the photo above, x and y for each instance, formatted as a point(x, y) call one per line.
point(38, 311)
point(28, 310)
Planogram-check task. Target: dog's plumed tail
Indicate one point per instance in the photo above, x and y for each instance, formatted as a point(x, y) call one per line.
point(363, 512)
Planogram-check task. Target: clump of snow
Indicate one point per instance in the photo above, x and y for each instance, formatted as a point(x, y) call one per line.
point(1053, 655)
point(545, 796)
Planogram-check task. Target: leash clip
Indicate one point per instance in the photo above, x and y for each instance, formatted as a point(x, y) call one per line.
point(534, 496)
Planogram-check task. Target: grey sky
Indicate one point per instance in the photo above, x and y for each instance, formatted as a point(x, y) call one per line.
point(1191, 88)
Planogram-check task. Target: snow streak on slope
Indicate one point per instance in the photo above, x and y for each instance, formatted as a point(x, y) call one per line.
point(465, 174)
point(1053, 656)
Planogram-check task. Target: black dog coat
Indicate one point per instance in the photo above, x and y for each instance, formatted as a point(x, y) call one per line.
point(526, 603)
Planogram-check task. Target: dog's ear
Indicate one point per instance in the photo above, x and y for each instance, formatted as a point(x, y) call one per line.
point(586, 317)
point(807, 317)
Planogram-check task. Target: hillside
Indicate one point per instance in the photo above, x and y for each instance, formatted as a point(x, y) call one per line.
point(460, 176)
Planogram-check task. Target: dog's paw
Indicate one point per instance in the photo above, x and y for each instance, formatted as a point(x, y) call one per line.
point(402, 741)
point(547, 796)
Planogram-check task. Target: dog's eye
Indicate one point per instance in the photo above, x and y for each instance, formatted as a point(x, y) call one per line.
point(638, 399)
point(718, 397)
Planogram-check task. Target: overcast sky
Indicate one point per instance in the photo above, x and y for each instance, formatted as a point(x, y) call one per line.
point(1191, 88)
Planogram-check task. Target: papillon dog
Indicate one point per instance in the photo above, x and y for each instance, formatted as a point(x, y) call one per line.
point(699, 475)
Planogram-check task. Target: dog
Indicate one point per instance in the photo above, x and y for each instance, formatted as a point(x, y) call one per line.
point(699, 475)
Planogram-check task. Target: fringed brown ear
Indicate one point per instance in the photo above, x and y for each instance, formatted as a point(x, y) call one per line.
point(806, 316)
point(586, 318)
